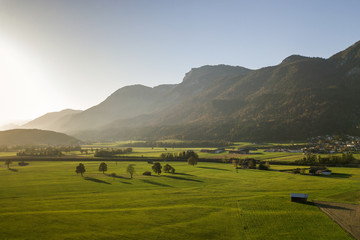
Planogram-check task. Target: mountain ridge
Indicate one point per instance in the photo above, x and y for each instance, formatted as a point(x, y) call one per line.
point(298, 98)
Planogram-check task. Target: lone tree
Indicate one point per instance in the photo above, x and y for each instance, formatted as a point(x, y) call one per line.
point(8, 162)
point(80, 169)
point(103, 167)
point(131, 170)
point(168, 169)
point(157, 168)
point(192, 161)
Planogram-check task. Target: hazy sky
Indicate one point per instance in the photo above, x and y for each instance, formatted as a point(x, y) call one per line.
point(74, 53)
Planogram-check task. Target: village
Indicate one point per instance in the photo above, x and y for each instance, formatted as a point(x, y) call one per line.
point(331, 144)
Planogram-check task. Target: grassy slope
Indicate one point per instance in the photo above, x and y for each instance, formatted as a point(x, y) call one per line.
point(47, 200)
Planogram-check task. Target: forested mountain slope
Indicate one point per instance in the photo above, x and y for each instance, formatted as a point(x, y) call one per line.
point(298, 98)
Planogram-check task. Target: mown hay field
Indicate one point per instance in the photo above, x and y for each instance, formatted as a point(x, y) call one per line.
point(48, 200)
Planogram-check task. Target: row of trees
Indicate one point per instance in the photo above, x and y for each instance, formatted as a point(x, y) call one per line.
point(312, 159)
point(157, 168)
point(65, 148)
point(179, 155)
point(49, 152)
point(103, 168)
point(112, 152)
point(250, 163)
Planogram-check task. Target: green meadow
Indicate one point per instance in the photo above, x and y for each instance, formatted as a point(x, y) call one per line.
point(48, 200)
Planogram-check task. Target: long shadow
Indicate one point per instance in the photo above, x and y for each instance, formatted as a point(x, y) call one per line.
point(96, 180)
point(155, 183)
point(121, 178)
point(338, 175)
point(13, 169)
point(324, 205)
point(307, 203)
point(182, 178)
point(125, 182)
point(117, 176)
point(185, 174)
point(214, 168)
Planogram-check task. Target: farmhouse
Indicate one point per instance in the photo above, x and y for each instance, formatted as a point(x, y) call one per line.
point(326, 172)
point(319, 170)
point(299, 197)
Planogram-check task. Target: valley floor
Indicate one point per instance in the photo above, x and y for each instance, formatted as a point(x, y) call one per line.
point(48, 200)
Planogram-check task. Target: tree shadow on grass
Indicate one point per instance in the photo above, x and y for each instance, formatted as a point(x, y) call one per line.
point(122, 178)
point(125, 182)
point(182, 178)
point(96, 180)
point(117, 176)
point(214, 168)
point(13, 169)
point(185, 174)
point(155, 183)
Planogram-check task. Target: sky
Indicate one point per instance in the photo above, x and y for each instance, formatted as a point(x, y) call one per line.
point(59, 54)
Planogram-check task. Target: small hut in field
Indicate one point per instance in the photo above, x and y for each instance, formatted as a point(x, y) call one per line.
point(299, 197)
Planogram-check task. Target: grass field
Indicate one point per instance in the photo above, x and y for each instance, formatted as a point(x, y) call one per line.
point(47, 200)
point(156, 152)
point(7, 154)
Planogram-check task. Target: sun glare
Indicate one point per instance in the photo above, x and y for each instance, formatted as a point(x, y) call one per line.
point(24, 78)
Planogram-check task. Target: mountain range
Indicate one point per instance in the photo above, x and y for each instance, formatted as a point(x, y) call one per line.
point(298, 98)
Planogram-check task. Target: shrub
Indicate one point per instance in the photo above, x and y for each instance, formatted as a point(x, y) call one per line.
point(147, 173)
point(192, 161)
point(263, 166)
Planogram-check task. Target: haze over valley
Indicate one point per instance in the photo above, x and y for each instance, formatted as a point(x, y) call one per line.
point(181, 120)
point(299, 98)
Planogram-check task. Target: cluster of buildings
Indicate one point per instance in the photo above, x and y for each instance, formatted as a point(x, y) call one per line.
point(333, 144)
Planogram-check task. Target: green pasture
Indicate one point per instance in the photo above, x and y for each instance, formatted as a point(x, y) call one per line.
point(48, 200)
point(7, 154)
point(157, 151)
point(258, 155)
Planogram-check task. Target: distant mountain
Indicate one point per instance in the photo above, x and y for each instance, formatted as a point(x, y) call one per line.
point(35, 137)
point(9, 126)
point(13, 125)
point(299, 98)
point(127, 102)
point(51, 121)
point(133, 101)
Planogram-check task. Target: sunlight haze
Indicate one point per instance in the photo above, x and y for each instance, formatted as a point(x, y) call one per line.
point(74, 54)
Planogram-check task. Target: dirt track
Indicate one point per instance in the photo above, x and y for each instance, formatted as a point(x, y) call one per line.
point(346, 215)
